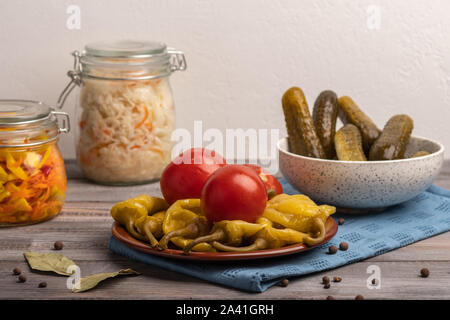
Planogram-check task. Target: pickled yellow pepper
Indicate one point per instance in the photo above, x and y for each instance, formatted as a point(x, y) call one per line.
point(296, 212)
point(182, 223)
point(142, 216)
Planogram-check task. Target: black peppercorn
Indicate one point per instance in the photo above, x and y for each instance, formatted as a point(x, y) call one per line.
point(284, 283)
point(343, 246)
point(332, 249)
point(22, 278)
point(58, 245)
point(424, 273)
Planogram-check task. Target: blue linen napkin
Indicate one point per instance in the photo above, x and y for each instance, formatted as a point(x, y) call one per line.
point(426, 215)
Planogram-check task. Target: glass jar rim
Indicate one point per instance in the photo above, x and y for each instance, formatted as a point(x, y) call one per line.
point(125, 49)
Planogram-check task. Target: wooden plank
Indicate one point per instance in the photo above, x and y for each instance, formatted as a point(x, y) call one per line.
point(399, 280)
point(84, 191)
point(80, 189)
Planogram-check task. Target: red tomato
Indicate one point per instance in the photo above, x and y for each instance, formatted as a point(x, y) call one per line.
point(269, 180)
point(186, 175)
point(234, 192)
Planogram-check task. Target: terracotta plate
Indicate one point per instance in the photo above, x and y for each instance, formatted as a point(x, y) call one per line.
point(122, 235)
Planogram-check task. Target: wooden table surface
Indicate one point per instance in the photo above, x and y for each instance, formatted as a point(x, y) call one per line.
point(85, 227)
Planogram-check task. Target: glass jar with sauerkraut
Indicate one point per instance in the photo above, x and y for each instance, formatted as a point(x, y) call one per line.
point(32, 175)
point(125, 113)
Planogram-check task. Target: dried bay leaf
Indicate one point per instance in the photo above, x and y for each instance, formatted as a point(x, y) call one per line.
point(62, 265)
point(49, 262)
point(87, 283)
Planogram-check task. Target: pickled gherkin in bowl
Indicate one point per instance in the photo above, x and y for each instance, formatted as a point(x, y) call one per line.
point(358, 140)
point(364, 169)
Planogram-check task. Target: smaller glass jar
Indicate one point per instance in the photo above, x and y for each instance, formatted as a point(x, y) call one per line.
point(32, 174)
point(125, 112)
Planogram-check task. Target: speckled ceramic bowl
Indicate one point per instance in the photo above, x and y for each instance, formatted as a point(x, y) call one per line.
point(363, 186)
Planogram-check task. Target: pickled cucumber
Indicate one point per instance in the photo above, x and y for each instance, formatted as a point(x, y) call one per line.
point(324, 117)
point(393, 140)
point(348, 144)
point(303, 138)
point(420, 154)
point(349, 112)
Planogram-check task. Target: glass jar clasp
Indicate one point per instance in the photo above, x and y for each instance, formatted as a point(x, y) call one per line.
point(177, 60)
point(65, 128)
point(75, 80)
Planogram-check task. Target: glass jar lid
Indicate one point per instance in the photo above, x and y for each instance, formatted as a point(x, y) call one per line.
point(21, 112)
point(128, 60)
point(125, 49)
point(25, 123)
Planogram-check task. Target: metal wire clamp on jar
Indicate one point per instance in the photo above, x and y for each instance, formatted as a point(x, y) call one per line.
point(32, 174)
point(125, 111)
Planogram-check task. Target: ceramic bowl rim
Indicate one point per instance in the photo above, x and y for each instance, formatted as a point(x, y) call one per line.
point(374, 162)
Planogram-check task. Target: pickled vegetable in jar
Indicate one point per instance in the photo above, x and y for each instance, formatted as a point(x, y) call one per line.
point(125, 112)
point(32, 174)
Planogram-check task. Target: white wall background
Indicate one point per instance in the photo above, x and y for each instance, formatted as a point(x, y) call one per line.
point(242, 55)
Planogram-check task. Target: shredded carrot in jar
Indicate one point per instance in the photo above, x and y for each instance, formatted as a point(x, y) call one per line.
point(32, 184)
point(144, 119)
point(134, 116)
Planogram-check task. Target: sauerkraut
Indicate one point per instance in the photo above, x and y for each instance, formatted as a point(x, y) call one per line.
point(125, 129)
